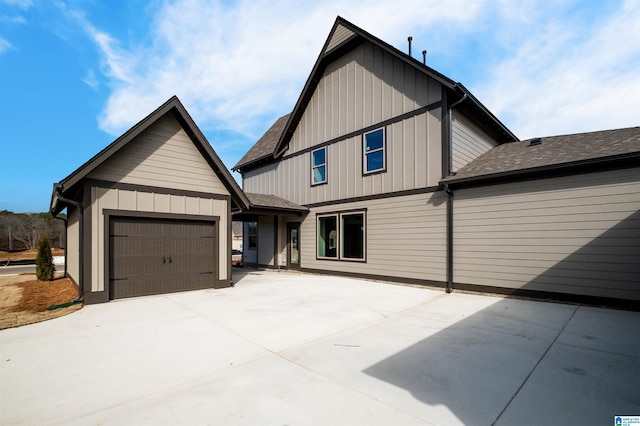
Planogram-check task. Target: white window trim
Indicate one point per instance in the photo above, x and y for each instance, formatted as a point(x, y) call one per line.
point(313, 167)
point(365, 153)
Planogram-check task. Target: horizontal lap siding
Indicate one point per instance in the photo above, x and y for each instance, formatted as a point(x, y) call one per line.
point(577, 234)
point(468, 141)
point(163, 156)
point(405, 238)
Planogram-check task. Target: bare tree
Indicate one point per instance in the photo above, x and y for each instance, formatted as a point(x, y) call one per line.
point(27, 229)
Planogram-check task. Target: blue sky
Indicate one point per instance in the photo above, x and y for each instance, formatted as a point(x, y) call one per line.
point(76, 74)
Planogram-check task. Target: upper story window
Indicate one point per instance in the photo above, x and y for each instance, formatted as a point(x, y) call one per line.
point(373, 151)
point(319, 166)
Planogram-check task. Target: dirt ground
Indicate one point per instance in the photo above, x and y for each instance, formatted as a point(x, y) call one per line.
point(24, 299)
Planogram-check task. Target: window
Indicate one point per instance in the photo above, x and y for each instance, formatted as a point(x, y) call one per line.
point(374, 157)
point(252, 232)
point(352, 226)
point(341, 236)
point(327, 236)
point(319, 166)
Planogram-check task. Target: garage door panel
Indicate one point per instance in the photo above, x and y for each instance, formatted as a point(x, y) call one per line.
point(154, 256)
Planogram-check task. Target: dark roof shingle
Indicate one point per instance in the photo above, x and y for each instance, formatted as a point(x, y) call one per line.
point(266, 145)
point(552, 151)
point(272, 201)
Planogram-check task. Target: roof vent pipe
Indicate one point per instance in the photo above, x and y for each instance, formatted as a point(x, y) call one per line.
point(409, 40)
point(424, 57)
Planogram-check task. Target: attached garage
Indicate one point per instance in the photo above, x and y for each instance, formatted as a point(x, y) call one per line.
point(556, 216)
point(151, 213)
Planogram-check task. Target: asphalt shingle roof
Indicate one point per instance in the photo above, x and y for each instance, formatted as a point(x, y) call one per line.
point(272, 202)
point(266, 145)
point(553, 150)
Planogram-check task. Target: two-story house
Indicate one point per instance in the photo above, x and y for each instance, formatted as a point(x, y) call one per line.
point(364, 150)
point(366, 175)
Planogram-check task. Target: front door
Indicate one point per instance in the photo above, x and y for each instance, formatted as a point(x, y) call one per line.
point(293, 245)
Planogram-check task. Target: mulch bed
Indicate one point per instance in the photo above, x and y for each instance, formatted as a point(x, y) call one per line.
point(25, 300)
point(37, 296)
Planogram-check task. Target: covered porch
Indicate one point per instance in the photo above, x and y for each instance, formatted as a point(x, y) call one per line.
point(271, 232)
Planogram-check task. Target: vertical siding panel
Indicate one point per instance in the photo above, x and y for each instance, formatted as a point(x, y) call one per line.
point(434, 148)
point(420, 159)
point(398, 95)
point(409, 154)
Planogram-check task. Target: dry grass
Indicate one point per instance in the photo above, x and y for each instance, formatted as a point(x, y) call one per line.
point(26, 254)
point(24, 299)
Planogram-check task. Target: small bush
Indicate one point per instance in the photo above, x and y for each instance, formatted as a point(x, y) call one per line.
point(44, 261)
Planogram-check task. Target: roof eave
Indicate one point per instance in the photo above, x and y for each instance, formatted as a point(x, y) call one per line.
point(574, 167)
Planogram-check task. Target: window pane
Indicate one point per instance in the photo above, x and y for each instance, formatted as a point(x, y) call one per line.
point(353, 236)
point(253, 235)
point(374, 140)
point(318, 157)
point(319, 174)
point(375, 161)
point(327, 236)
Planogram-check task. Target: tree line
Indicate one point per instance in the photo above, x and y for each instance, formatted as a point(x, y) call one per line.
point(22, 231)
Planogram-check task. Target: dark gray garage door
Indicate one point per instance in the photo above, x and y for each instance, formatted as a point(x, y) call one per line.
point(153, 256)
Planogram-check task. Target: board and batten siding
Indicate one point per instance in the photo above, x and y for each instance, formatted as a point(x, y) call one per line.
point(360, 89)
point(411, 163)
point(468, 142)
point(405, 238)
point(120, 199)
point(577, 235)
point(163, 156)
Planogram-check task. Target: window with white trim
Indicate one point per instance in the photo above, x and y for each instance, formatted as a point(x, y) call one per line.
point(341, 236)
point(373, 151)
point(319, 166)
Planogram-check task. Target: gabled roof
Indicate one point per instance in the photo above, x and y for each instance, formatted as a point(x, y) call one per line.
point(266, 145)
point(172, 106)
point(344, 37)
point(551, 155)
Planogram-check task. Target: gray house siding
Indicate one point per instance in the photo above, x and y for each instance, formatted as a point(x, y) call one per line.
point(163, 156)
point(469, 141)
point(362, 88)
point(404, 238)
point(574, 235)
point(411, 163)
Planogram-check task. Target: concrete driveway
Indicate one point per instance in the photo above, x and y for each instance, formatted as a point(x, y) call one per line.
point(294, 349)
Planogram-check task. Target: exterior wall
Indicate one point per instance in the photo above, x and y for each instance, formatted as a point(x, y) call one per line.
point(469, 141)
point(265, 241)
point(362, 88)
point(411, 164)
point(577, 235)
point(72, 250)
point(405, 238)
point(162, 156)
point(119, 199)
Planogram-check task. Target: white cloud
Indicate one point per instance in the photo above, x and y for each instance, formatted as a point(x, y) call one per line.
point(91, 80)
point(23, 4)
point(4, 45)
point(546, 68)
point(569, 76)
point(233, 65)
